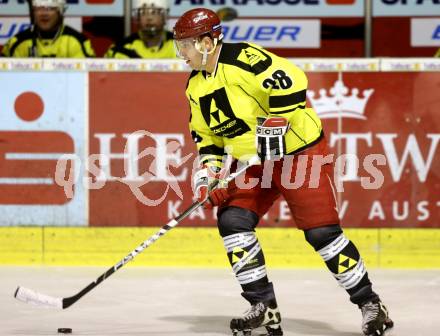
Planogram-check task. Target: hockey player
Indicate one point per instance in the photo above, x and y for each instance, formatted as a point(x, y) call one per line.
point(152, 40)
point(48, 36)
point(241, 95)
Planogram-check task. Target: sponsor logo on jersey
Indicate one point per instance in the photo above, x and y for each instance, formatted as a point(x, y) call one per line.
point(219, 116)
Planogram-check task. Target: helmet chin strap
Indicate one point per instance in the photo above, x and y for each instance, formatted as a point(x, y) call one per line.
point(205, 52)
point(204, 57)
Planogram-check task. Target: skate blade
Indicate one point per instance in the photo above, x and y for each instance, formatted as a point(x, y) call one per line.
point(389, 328)
point(389, 324)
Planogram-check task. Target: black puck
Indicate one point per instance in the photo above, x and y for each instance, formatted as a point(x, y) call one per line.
point(65, 330)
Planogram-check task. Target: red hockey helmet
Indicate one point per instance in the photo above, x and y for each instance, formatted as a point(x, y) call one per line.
point(196, 22)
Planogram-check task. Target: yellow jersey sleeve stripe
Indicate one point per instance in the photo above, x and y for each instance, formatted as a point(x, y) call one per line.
point(211, 161)
point(211, 149)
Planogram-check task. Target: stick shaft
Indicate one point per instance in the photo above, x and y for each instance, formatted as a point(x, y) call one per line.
point(67, 302)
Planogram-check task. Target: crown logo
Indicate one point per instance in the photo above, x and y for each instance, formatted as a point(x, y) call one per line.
point(340, 103)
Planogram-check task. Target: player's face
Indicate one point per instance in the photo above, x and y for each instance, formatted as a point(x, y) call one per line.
point(186, 50)
point(47, 18)
point(191, 50)
point(151, 20)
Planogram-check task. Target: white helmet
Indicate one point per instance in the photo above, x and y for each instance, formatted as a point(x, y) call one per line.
point(137, 4)
point(60, 4)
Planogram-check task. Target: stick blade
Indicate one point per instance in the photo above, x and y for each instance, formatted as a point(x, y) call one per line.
point(29, 296)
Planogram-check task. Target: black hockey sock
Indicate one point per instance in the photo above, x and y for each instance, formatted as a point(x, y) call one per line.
point(258, 291)
point(362, 292)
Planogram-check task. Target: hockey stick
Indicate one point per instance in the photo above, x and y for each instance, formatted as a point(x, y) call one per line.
point(30, 296)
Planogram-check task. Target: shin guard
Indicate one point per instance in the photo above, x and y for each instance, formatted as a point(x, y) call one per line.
point(246, 257)
point(344, 261)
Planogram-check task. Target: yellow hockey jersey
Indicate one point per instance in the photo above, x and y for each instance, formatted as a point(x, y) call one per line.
point(69, 43)
point(134, 47)
point(248, 82)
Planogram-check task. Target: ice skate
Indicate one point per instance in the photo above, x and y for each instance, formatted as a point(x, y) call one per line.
point(375, 318)
point(262, 314)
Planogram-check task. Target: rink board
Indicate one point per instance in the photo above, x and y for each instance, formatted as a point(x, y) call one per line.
point(203, 247)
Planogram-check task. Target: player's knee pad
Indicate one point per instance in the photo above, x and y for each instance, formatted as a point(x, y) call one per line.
point(322, 236)
point(234, 220)
point(246, 257)
point(341, 257)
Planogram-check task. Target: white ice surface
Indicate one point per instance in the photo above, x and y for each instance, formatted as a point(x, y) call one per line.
point(171, 301)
